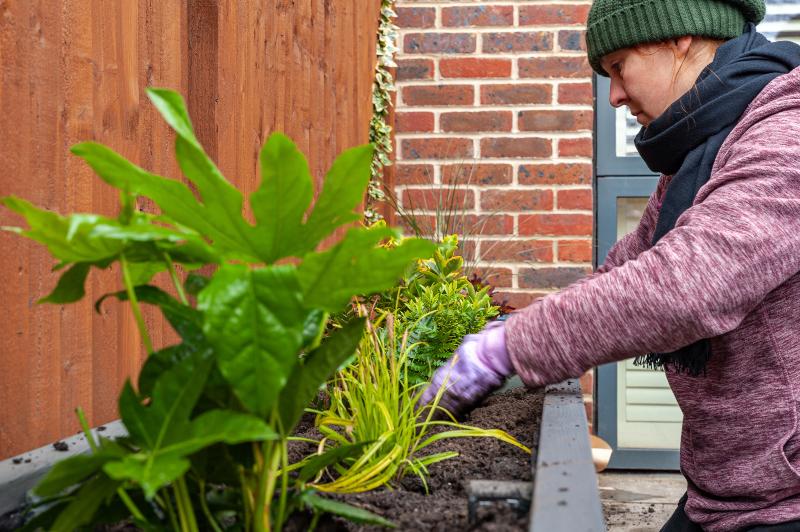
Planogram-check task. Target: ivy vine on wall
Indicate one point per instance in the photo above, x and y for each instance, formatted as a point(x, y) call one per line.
point(380, 132)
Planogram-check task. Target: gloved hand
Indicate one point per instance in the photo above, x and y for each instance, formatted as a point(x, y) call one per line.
point(479, 366)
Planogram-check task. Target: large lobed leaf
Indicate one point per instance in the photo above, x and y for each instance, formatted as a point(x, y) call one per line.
point(357, 266)
point(254, 319)
point(166, 435)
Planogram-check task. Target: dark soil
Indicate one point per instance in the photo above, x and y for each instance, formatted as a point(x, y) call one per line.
point(516, 411)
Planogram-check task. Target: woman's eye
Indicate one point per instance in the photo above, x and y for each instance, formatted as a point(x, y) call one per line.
point(617, 67)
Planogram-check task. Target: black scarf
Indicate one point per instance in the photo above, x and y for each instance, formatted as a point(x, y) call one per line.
point(684, 141)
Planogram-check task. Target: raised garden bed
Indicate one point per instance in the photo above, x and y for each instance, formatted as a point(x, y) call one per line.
point(551, 422)
point(516, 411)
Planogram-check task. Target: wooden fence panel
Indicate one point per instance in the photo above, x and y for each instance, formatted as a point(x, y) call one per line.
point(75, 70)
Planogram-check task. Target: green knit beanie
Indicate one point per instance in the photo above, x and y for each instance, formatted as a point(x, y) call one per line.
point(617, 24)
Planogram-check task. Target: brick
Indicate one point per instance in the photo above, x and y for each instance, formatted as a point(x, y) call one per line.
point(529, 250)
point(587, 382)
point(577, 93)
point(438, 95)
point(437, 148)
point(556, 224)
point(547, 120)
point(500, 277)
point(413, 174)
point(478, 16)
point(425, 223)
point(516, 147)
point(518, 300)
point(527, 93)
point(426, 199)
point(466, 248)
point(572, 40)
point(413, 122)
point(492, 224)
point(575, 200)
point(439, 43)
point(553, 14)
point(555, 67)
point(415, 17)
point(555, 174)
point(478, 174)
point(575, 147)
point(480, 121)
point(411, 69)
point(516, 200)
point(550, 278)
point(473, 67)
point(517, 41)
point(575, 250)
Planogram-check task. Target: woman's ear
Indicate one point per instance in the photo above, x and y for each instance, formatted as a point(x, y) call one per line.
point(682, 46)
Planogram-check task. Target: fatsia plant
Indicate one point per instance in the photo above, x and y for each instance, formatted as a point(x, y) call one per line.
point(217, 409)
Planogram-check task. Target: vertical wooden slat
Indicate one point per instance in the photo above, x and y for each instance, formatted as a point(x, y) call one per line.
point(76, 70)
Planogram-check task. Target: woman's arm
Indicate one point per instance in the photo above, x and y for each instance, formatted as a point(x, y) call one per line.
point(724, 255)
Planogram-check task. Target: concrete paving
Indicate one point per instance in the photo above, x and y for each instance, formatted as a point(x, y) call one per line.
point(639, 501)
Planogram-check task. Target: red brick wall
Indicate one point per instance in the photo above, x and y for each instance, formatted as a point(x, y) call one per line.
point(498, 96)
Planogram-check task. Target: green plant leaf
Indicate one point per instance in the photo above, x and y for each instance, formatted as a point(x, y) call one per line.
point(74, 469)
point(222, 201)
point(317, 463)
point(143, 272)
point(174, 198)
point(70, 285)
point(342, 192)
point(150, 472)
point(219, 426)
point(68, 239)
point(82, 509)
point(281, 201)
point(186, 321)
point(195, 283)
point(352, 513)
point(164, 432)
point(167, 416)
point(357, 266)
point(254, 319)
point(306, 378)
point(159, 362)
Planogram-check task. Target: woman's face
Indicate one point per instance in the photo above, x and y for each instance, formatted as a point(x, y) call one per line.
point(644, 79)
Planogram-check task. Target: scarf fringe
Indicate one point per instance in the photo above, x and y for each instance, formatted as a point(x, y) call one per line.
point(690, 360)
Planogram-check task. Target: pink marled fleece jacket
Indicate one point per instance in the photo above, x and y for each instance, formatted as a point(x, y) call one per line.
point(728, 271)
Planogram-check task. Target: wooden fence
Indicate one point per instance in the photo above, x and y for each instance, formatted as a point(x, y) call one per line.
point(75, 70)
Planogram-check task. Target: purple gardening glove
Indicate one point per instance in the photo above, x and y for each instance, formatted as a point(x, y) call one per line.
point(479, 366)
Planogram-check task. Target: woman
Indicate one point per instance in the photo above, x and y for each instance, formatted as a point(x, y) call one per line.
point(708, 285)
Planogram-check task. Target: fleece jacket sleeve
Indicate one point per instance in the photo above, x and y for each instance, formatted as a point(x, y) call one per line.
point(739, 241)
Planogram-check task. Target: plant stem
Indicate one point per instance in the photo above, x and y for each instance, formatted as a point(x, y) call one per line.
point(185, 503)
point(206, 511)
point(130, 505)
point(314, 521)
point(284, 483)
point(137, 312)
point(179, 505)
point(171, 511)
point(123, 495)
point(247, 499)
point(87, 432)
point(266, 488)
point(173, 274)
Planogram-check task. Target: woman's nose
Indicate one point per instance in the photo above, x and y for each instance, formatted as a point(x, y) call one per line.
point(617, 96)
